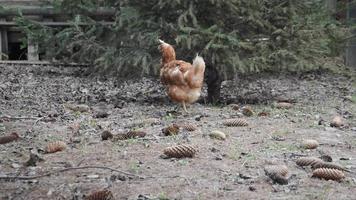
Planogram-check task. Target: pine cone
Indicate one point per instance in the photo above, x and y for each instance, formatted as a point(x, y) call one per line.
point(263, 114)
point(188, 126)
point(306, 161)
point(328, 174)
point(235, 122)
point(171, 130)
point(284, 105)
point(277, 173)
point(277, 169)
point(247, 111)
point(310, 144)
point(135, 134)
point(329, 166)
point(130, 135)
point(55, 146)
point(105, 135)
point(9, 138)
point(336, 122)
point(100, 195)
point(180, 151)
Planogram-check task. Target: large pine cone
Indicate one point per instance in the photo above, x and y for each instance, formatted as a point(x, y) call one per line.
point(171, 130)
point(306, 161)
point(328, 174)
point(235, 122)
point(55, 146)
point(180, 151)
point(328, 165)
point(101, 195)
point(277, 173)
point(9, 138)
point(188, 126)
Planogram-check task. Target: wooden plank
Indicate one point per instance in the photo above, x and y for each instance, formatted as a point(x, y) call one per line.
point(47, 23)
point(25, 62)
point(50, 11)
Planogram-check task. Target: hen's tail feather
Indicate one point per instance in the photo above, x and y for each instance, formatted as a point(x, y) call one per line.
point(198, 64)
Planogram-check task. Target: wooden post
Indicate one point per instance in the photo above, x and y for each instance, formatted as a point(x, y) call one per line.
point(4, 49)
point(32, 50)
point(351, 44)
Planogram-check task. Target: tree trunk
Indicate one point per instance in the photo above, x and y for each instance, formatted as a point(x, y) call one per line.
point(331, 6)
point(351, 44)
point(214, 84)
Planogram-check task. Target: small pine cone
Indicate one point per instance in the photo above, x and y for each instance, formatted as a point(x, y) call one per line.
point(277, 169)
point(306, 161)
point(247, 111)
point(310, 144)
point(171, 130)
point(284, 105)
point(263, 114)
point(105, 135)
point(336, 122)
point(100, 195)
point(55, 146)
point(122, 136)
point(180, 151)
point(329, 166)
point(135, 134)
point(188, 127)
point(9, 138)
point(328, 174)
point(235, 122)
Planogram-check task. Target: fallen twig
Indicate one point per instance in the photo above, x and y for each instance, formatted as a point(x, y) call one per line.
point(67, 169)
point(19, 118)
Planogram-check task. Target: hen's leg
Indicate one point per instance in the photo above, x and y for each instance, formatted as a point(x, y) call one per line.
point(185, 108)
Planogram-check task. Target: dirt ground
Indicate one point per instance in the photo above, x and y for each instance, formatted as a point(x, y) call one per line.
point(229, 169)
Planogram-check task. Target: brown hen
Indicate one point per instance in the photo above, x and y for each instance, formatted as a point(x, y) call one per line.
point(183, 80)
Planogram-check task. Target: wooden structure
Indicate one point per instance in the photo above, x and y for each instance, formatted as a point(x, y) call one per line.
point(11, 36)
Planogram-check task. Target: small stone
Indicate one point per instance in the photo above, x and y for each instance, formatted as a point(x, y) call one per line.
point(218, 135)
point(93, 176)
point(251, 188)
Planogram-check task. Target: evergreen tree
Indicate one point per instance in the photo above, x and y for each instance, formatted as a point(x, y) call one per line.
point(233, 36)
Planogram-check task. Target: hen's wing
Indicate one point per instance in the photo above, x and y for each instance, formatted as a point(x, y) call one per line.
point(173, 73)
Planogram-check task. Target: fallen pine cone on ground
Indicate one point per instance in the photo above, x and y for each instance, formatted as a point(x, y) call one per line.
point(310, 144)
point(235, 122)
point(328, 174)
point(188, 126)
point(105, 135)
point(100, 195)
point(180, 151)
point(171, 130)
point(284, 105)
point(278, 173)
point(130, 135)
point(55, 147)
point(329, 166)
point(9, 138)
point(308, 161)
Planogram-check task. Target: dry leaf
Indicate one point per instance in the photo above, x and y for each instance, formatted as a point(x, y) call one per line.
point(9, 138)
point(247, 111)
point(55, 146)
